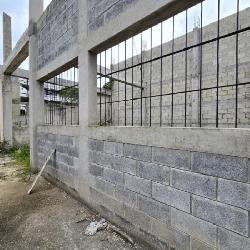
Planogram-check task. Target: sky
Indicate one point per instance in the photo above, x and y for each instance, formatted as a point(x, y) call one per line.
point(18, 10)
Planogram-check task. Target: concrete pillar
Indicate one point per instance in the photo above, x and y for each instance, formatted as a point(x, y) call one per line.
point(36, 95)
point(87, 102)
point(196, 79)
point(7, 37)
point(6, 85)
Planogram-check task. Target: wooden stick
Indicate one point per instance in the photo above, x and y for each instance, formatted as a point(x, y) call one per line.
point(123, 234)
point(40, 173)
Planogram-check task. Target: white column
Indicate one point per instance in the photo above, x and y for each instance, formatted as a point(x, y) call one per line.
point(36, 95)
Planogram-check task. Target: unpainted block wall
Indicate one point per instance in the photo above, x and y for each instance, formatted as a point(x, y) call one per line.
point(65, 163)
point(57, 30)
point(174, 198)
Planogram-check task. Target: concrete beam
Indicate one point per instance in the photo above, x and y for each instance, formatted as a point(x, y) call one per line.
point(142, 16)
point(7, 36)
point(18, 54)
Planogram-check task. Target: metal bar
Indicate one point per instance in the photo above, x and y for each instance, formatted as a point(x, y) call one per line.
point(188, 48)
point(100, 91)
point(186, 44)
point(190, 91)
point(161, 80)
point(125, 103)
point(201, 38)
point(105, 90)
point(172, 84)
point(111, 97)
point(132, 117)
point(237, 65)
point(218, 66)
point(150, 81)
point(141, 78)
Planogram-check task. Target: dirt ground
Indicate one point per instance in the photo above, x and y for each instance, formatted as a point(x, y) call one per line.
point(47, 218)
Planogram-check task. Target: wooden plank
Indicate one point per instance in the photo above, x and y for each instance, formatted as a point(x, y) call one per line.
point(41, 171)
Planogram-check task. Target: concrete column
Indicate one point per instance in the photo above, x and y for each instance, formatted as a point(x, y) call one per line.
point(196, 79)
point(36, 95)
point(6, 85)
point(87, 103)
point(7, 37)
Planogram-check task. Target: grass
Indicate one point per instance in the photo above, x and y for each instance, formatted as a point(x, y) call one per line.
point(21, 155)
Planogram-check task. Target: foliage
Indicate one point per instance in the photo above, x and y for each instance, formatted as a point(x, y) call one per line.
point(70, 94)
point(109, 85)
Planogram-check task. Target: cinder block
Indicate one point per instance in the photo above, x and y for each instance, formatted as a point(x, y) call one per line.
point(153, 172)
point(125, 196)
point(197, 228)
point(137, 218)
point(138, 185)
point(123, 164)
point(113, 176)
point(228, 167)
point(234, 193)
point(232, 218)
point(230, 241)
point(114, 148)
point(171, 196)
point(175, 239)
point(199, 245)
point(139, 152)
point(194, 183)
point(96, 145)
point(154, 209)
point(95, 170)
point(105, 186)
point(171, 158)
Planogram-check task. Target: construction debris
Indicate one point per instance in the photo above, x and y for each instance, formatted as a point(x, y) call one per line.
point(95, 226)
point(121, 233)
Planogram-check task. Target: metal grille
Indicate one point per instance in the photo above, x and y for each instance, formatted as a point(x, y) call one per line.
point(188, 76)
point(61, 99)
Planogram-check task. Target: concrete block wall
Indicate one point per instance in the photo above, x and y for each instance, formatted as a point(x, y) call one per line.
point(227, 76)
point(65, 163)
point(175, 199)
point(57, 30)
point(102, 12)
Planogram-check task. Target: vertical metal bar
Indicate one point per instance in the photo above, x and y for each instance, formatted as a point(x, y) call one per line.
point(172, 87)
point(118, 85)
point(54, 104)
point(150, 81)
point(111, 79)
point(141, 78)
point(105, 89)
point(237, 65)
point(71, 97)
point(186, 44)
point(132, 81)
point(161, 80)
point(100, 89)
point(125, 78)
point(201, 50)
point(218, 68)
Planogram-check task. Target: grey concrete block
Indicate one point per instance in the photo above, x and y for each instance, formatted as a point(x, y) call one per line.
point(197, 228)
point(105, 186)
point(125, 196)
point(137, 217)
point(227, 167)
point(95, 170)
point(96, 145)
point(115, 148)
point(172, 158)
point(113, 176)
point(199, 245)
point(175, 239)
point(139, 152)
point(138, 185)
point(194, 183)
point(123, 164)
point(154, 209)
point(230, 241)
point(171, 196)
point(153, 172)
point(234, 193)
point(232, 218)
